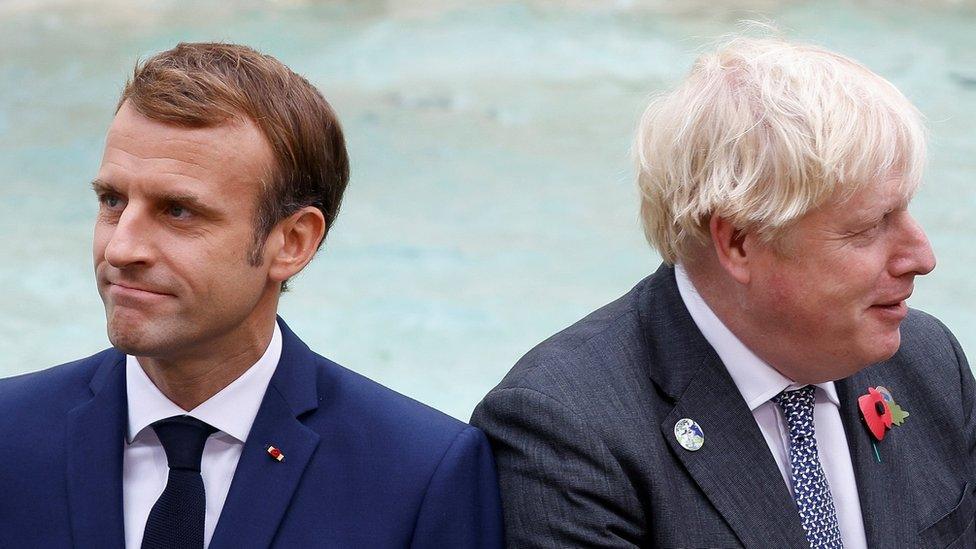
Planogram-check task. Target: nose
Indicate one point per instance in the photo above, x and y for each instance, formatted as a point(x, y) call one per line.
point(129, 243)
point(915, 256)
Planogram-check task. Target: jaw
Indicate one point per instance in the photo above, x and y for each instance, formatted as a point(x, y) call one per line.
point(127, 329)
point(885, 344)
point(836, 357)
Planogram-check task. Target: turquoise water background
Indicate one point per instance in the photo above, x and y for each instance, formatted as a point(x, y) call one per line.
point(491, 201)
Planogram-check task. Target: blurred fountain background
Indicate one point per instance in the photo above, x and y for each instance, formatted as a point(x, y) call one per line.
point(492, 200)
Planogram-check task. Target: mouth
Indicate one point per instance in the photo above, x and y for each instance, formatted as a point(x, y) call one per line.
point(896, 302)
point(896, 307)
point(135, 291)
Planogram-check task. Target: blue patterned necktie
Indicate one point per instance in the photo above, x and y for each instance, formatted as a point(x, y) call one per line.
point(810, 489)
point(176, 521)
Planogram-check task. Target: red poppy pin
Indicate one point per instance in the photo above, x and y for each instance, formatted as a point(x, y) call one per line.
point(880, 413)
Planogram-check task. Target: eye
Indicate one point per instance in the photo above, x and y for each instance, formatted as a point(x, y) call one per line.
point(177, 211)
point(111, 201)
point(872, 230)
point(877, 225)
point(884, 221)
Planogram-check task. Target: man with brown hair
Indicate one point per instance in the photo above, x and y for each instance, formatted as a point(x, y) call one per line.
point(209, 423)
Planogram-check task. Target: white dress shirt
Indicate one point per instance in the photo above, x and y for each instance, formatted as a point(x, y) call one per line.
point(231, 411)
point(758, 382)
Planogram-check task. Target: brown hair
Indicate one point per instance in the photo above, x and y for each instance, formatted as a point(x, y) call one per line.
point(208, 84)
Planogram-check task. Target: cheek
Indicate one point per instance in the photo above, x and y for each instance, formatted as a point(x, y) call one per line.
point(782, 289)
point(100, 238)
point(800, 301)
point(833, 304)
point(219, 268)
point(854, 283)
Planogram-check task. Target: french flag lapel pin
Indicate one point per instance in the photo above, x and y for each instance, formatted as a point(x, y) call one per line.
point(275, 453)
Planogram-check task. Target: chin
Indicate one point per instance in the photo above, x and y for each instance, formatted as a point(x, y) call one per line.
point(129, 335)
point(127, 341)
point(883, 347)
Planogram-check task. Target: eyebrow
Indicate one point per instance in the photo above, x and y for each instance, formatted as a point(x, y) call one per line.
point(191, 200)
point(100, 186)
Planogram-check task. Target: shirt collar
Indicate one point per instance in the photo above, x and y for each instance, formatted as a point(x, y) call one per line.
point(757, 381)
point(232, 410)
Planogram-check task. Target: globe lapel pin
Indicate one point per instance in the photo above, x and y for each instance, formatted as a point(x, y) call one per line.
point(689, 435)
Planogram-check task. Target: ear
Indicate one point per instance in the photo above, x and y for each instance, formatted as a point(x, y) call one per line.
point(730, 248)
point(296, 241)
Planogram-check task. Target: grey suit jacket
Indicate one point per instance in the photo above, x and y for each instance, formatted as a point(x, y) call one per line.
point(583, 434)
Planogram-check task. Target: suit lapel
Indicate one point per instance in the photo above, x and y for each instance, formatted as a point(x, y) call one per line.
point(734, 468)
point(95, 438)
point(263, 487)
point(883, 488)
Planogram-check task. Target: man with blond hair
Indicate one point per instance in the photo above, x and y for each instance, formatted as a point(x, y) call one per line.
point(209, 423)
point(767, 386)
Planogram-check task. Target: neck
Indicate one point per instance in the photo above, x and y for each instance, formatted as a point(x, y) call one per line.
point(191, 379)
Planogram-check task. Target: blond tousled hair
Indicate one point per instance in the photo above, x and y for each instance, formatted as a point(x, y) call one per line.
point(763, 131)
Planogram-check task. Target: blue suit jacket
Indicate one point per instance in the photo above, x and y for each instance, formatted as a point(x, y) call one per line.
point(364, 466)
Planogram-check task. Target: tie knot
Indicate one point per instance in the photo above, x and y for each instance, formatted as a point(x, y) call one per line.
point(183, 438)
point(797, 408)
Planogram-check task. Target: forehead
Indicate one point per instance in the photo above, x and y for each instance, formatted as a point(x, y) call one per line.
point(870, 200)
point(231, 158)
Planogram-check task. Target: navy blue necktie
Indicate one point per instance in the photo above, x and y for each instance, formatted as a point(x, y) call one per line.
point(176, 520)
point(810, 489)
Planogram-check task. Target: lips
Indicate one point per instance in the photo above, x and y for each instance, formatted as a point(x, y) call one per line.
point(136, 288)
point(894, 302)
